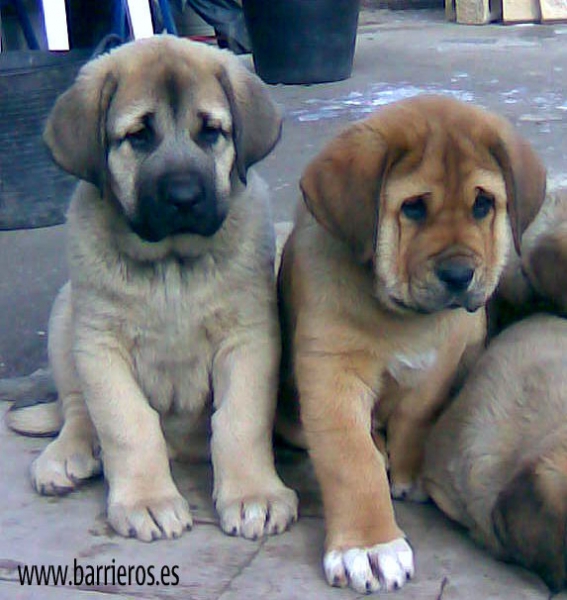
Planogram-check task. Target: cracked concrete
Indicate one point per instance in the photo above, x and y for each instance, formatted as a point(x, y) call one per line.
point(517, 71)
point(444, 583)
point(227, 592)
point(212, 566)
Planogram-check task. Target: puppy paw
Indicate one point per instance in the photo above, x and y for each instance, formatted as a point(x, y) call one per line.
point(384, 567)
point(255, 516)
point(413, 491)
point(151, 518)
point(63, 465)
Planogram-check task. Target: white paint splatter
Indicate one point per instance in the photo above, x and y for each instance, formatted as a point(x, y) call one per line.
point(556, 180)
point(356, 104)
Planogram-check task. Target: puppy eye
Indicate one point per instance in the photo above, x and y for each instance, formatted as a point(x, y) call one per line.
point(415, 209)
point(210, 134)
point(483, 204)
point(140, 139)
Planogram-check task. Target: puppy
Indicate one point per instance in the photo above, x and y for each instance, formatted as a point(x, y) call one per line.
point(496, 461)
point(406, 223)
point(171, 309)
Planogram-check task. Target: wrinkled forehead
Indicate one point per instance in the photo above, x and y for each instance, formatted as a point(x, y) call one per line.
point(176, 88)
point(447, 159)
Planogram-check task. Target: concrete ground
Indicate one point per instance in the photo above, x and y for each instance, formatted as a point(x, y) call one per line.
point(518, 71)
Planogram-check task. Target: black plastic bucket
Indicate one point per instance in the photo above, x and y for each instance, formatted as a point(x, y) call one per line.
point(302, 41)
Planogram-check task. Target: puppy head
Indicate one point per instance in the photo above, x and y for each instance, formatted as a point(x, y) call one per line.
point(427, 189)
point(530, 518)
point(166, 128)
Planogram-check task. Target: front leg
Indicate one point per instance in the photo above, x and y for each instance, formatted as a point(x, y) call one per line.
point(249, 496)
point(410, 423)
point(364, 546)
point(407, 434)
point(143, 501)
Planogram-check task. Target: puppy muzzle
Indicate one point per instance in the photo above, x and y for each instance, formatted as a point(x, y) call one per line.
point(448, 283)
point(178, 203)
point(456, 277)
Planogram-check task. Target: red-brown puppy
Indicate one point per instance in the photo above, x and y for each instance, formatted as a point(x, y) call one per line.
point(406, 223)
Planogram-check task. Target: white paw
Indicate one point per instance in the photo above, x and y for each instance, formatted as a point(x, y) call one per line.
point(382, 567)
point(151, 518)
point(413, 491)
point(63, 465)
point(256, 516)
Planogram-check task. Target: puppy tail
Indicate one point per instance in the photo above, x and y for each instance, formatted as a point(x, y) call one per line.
point(35, 410)
point(530, 518)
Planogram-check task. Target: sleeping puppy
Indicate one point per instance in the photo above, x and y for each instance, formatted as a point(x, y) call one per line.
point(406, 223)
point(496, 461)
point(171, 310)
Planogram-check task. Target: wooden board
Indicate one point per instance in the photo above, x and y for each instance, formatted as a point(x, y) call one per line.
point(478, 12)
point(521, 11)
point(553, 10)
point(450, 10)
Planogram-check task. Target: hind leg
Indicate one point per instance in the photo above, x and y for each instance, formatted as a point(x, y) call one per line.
point(74, 455)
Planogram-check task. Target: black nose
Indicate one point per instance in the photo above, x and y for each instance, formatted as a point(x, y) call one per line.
point(186, 194)
point(455, 275)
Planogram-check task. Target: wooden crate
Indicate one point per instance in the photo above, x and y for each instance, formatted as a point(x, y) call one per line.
point(474, 12)
point(521, 11)
point(553, 10)
point(480, 12)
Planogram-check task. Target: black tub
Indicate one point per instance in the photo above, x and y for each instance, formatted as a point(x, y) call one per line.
point(302, 41)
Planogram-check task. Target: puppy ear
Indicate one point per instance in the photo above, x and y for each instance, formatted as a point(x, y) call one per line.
point(544, 250)
point(341, 187)
point(545, 260)
point(256, 119)
point(525, 178)
point(75, 132)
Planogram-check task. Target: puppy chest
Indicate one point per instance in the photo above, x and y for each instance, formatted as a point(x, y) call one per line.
point(417, 379)
point(429, 350)
point(408, 379)
point(410, 368)
point(172, 352)
point(173, 368)
point(183, 313)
